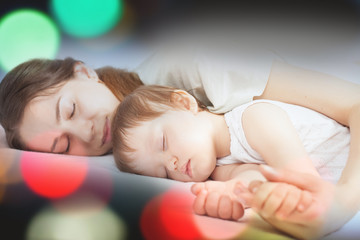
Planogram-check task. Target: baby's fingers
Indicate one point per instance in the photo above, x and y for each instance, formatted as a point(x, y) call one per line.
point(225, 207)
point(244, 196)
point(305, 201)
point(254, 185)
point(197, 188)
point(212, 203)
point(199, 203)
point(237, 210)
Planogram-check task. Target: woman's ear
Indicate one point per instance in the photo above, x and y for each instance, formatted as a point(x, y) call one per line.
point(185, 100)
point(81, 70)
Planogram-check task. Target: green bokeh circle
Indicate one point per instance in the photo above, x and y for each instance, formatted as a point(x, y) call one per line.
point(27, 34)
point(87, 18)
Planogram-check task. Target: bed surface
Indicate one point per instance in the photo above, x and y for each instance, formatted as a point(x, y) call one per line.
point(51, 196)
point(97, 199)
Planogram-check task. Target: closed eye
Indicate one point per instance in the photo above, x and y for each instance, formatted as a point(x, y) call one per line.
point(73, 111)
point(164, 145)
point(68, 145)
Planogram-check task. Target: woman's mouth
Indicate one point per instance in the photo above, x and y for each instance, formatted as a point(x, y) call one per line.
point(106, 132)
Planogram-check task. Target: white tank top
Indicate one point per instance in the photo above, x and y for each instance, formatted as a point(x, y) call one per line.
point(326, 141)
point(222, 81)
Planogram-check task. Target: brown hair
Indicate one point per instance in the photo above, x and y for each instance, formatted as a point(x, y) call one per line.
point(143, 104)
point(42, 76)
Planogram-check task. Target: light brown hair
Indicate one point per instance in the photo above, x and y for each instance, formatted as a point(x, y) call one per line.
point(43, 76)
point(143, 104)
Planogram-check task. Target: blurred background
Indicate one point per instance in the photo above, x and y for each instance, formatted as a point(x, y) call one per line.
point(123, 33)
point(321, 35)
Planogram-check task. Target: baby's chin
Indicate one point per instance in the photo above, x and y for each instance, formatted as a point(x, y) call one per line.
point(199, 178)
point(188, 179)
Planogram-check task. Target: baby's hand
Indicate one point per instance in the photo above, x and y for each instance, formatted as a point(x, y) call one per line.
point(217, 199)
point(277, 200)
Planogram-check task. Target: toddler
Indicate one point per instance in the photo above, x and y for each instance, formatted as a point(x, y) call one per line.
point(165, 132)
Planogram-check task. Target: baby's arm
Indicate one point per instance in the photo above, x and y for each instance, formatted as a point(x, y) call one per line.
point(270, 132)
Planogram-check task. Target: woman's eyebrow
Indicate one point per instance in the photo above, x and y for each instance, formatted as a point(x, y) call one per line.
point(57, 107)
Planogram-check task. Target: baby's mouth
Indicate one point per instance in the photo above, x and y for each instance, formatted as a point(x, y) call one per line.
point(188, 169)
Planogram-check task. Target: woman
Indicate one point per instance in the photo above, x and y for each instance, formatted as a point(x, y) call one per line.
point(62, 106)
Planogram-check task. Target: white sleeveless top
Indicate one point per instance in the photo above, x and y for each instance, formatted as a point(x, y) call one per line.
point(221, 80)
point(326, 141)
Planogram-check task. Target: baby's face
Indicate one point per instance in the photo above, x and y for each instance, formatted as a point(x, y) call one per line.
point(176, 145)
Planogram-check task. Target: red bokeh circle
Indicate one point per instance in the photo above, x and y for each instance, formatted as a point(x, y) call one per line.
point(170, 216)
point(53, 175)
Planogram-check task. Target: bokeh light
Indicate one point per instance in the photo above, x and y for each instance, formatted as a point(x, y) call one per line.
point(51, 224)
point(119, 35)
point(27, 34)
point(93, 195)
point(87, 18)
point(170, 216)
point(9, 170)
point(52, 175)
point(215, 228)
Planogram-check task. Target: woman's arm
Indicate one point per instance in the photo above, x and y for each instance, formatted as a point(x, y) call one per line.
point(339, 100)
point(329, 95)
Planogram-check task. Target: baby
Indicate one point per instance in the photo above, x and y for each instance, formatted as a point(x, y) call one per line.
point(164, 132)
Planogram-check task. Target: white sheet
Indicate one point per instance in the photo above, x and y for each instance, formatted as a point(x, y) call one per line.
point(134, 187)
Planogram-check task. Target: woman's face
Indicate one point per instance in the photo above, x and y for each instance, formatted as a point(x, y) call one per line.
point(75, 119)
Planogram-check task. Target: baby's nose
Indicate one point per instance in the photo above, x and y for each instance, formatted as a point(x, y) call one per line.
point(172, 164)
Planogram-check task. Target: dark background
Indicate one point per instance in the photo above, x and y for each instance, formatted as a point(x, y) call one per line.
point(307, 29)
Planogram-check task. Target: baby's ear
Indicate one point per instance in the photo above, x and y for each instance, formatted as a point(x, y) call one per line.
point(185, 100)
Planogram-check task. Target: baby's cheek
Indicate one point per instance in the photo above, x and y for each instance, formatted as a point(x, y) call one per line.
point(178, 177)
point(160, 173)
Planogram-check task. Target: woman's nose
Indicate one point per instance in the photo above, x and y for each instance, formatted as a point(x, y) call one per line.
point(172, 164)
point(83, 129)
